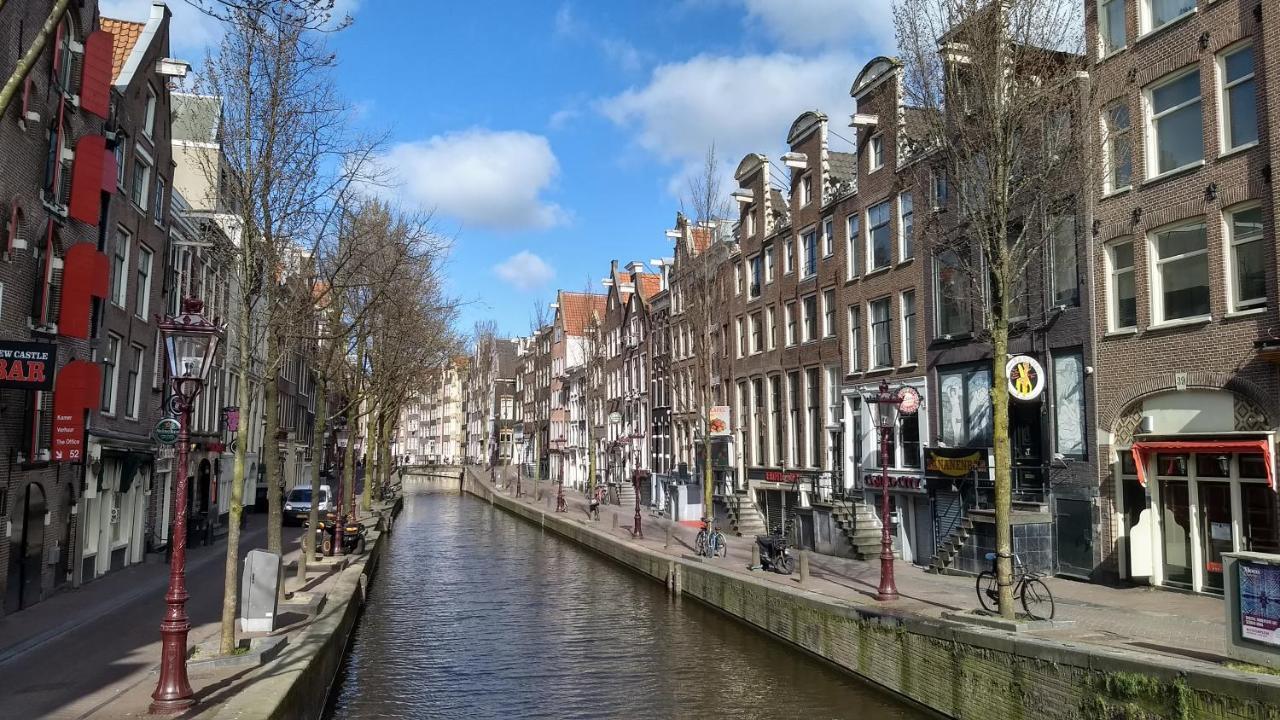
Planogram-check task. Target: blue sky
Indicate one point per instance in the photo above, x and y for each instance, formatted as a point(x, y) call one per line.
point(549, 137)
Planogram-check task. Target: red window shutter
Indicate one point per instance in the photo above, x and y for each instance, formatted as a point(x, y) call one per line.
point(110, 171)
point(86, 179)
point(95, 78)
point(85, 275)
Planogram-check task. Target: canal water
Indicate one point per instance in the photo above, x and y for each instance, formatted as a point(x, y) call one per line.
point(477, 614)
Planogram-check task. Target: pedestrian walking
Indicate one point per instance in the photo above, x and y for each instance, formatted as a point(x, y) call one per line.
point(595, 503)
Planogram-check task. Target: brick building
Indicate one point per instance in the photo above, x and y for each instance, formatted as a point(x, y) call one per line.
point(575, 313)
point(1185, 285)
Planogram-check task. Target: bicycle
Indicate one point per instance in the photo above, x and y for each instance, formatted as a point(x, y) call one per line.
point(711, 544)
point(1028, 587)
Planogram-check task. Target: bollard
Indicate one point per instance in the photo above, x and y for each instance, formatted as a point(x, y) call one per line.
point(804, 566)
point(548, 501)
point(667, 543)
point(615, 520)
point(755, 556)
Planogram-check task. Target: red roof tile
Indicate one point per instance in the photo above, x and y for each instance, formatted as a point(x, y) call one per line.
point(577, 308)
point(649, 284)
point(125, 34)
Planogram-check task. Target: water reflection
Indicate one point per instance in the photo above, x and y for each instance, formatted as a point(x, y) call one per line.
point(477, 614)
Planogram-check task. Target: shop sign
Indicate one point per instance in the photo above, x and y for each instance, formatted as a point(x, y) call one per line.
point(909, 483)
point(908, 400)
point(166, 432)
point(1259, 602)
point(77, 390)
point(954, 462)
point(615, 417)
point(27, 366)
point(1026, 377)
point(788, 477)
point(719, 420)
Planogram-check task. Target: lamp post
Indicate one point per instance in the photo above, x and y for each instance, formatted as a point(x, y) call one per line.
point(343, 437)
point(191, 341)
point(885, 406)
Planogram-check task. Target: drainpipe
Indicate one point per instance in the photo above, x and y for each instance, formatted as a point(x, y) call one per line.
point(28, 60)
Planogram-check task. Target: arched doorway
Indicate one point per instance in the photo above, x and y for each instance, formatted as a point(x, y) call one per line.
point(26, 550)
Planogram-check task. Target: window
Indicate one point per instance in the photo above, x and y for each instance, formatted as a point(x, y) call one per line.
point(964, 412)
point(881, 343)
point(828, 237)
point(751, 220)
point(121, 150)
point(768, 262)
point(855, 338)
point(133, 388)
point(1119, 147)
point(908, 327)
point(110, 373)
point(833, 395)
point(788, 259)
point(757, 269)
point(1111, 34)
point(1157, 13)
point(793, 414)
point(158, 211)
point(149, 126)
point(1068, 393)
point(742, 339)
point(143, 292)
point(851, 230)
point(1239, 99)
point(775, 412)
point(757, 333)
point(1122, 304)
point(828, 313)
point(951, 288)
point(1175, 139)
point(141, 181)
point(810, 318)
point(53, 163)
point(809, 246)
point(737, 279)
point(771, 325)
point(1181, 276)
point(878, 240)
point(938, 190)
point(806, 190)
point(1066, 283)
point(875, 156)
point(907, 225)
point(813, 431)
point(120, 268)
point(1248, 258)
point(791, 323)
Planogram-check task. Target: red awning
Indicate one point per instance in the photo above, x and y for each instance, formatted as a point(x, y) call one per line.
point(1143, 450)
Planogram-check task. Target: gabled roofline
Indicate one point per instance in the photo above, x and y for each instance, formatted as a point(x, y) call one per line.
point(159, 11)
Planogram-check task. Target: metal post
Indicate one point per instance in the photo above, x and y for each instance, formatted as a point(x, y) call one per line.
point(173, 690)
point(888, 589)
point(636, 531)
point(804, 566)
point(342, 497)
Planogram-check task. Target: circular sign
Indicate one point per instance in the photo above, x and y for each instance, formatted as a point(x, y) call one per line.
point(615, 417)
point(909, 400)
point(1026, 377)
point(166, 432)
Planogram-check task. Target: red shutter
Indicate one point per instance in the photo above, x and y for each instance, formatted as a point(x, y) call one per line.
point(95, 79)
point(86, 179)
point(85, 274)
point(110, 172)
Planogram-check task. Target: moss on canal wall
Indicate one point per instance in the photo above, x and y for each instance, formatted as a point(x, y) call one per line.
point(956, 669)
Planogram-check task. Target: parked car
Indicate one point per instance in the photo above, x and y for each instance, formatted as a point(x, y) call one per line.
point(297, 504)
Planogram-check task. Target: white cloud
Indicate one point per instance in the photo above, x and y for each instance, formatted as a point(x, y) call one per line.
point(480, 177)
point(561, 118)
point(742, 104)
point(618, 50)
point(830, 23)
point(525, 271)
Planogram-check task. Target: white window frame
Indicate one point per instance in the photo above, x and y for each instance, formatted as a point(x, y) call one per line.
point(141, 164)
point(867, 230)
point(742, 340)
point(828, 236)
point(809, 334)
point(1110, 139)
point(852, 229)
point(122, 155)
point(149, 114)
point(1224, 116)
point(1103, 51)
point(751, 220)
point(144, 288)
point(1154, 265)
point(767, 251)
point(1152, 136)
point(855, 338)
point(873, 361)
point(1146, 23)
point(828, 311)
point(807, 270)
point(789, 310)
point(771, 325)
point(905, 238)
point(1231, 245)
point(110, 409)
point(875, 152)
point(138, 353)
point(907, 330)
point(806, 189)
point(737, 278)
point(755, 323)
point(120, 294)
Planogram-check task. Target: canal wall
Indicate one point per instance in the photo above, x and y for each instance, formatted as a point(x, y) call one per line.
point(295, 685)
point(956, 669)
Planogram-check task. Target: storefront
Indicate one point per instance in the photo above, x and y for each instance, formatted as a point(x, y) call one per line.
point(1186, 494)
point(911, 511)
point(779, 494)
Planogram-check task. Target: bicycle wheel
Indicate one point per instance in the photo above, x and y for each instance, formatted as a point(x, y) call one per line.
point(722, 546)
point(988, 591)
point(785, 565)
point(1037, 600)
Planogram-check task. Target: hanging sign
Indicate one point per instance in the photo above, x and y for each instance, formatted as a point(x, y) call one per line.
point(1026, 377)
point(719, 420)
point(166, 432)
point(77, 390)
point(908, 400)
point(27, 366)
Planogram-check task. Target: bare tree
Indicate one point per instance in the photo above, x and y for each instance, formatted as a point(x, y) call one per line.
point(992, 89)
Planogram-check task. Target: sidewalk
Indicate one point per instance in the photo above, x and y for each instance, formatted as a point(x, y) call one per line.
point(1168, 622)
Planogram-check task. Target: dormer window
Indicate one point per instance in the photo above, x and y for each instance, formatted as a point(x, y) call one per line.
point(875, 155)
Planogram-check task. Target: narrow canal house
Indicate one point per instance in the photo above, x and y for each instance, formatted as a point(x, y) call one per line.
point(626, 370)
point(55, 144)
point(659, 348)
point(573, 312)
point(1184, 244)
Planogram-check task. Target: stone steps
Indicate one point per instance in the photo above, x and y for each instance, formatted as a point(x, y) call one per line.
point(950, 548)
point(744, 518)
point(860, 526)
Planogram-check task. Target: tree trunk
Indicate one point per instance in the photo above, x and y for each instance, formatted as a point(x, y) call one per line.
point(271, 444)
point(231, 581)
point(374, 464)
point(32, 55)
point(317, 460)
point(1003, 465)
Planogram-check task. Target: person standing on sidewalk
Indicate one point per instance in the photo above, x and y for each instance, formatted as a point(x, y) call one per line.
point(595, 502)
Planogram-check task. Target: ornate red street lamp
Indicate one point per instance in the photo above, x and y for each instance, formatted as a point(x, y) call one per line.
point(885, 406)
point(343, 438)
point(191, 342)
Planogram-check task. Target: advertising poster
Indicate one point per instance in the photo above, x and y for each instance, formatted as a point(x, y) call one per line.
point(1260, 602)
point(719, 420)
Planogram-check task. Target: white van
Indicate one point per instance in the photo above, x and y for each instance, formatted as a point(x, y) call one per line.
point(297, 504)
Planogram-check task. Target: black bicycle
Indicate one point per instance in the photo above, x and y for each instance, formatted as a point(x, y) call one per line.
point(1028, 587)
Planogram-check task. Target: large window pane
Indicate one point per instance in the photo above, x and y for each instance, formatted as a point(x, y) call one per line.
point(1184, 272)
point(1162, 11)
point(1240, 101)
point(1066, 290)
point(1111, 25)
point(1175, 524)
point(1119, 147)
point(979, 391)
point(880, 333)
point(1124, 300)
point(952, 293)
point(1068, 390)
point(878, 229)
point(1249, 251)
point(906, 209)
point(1175, 108)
